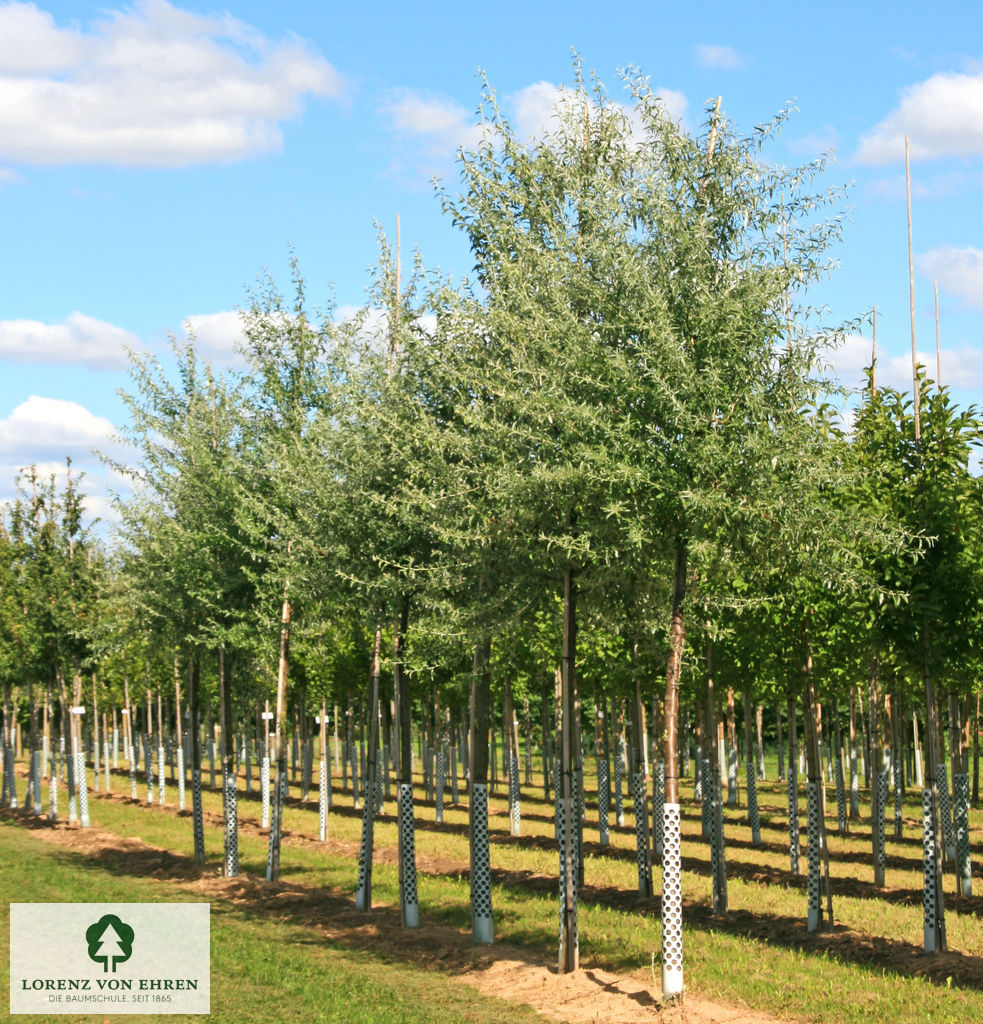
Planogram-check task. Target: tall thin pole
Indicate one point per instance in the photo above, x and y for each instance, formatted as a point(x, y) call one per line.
point(911, 296)
point(873, 358)
point(938, 341)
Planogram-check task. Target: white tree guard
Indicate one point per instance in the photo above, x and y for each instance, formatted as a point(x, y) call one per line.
point(930, 919)
point(793, 820)
point(231, 797)
point(672, 905)
point(813, 850)
point(409, 904)
point(604, 799)
point(841, 826)
point(161, 780)
point(53, 788)
point(441, 782)
point(945, 813)
point(482, 924)
point(658, 800)
point(753, 812)
point(322, 801)
point(641, 835)
point(36, 781)
point(83, 789)
point(515, 814)
point(964, 870)
point(264, 775)
point(363, 891)
point(567, 955)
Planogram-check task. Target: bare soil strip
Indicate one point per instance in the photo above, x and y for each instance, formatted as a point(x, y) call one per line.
point(508, 972)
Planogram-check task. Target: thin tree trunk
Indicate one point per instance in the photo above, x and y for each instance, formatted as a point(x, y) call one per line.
point(672, 904)
point(363, 894)
point(279, 746)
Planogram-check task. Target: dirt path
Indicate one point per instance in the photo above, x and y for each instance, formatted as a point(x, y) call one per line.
point(588, 996)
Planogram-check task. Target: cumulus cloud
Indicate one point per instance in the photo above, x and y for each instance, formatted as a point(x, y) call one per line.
point(440, 126)
point(152, 85)
point(79, 340)
point(217, 335)
point(721, 58)
point(442, 122)
point(943, 116)
point(961, 368)
point(958, 270)
point(52, 428)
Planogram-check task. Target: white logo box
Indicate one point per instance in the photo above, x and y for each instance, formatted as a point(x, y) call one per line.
point(110, 958)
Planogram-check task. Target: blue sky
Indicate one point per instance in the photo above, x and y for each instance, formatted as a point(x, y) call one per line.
point(156, 157)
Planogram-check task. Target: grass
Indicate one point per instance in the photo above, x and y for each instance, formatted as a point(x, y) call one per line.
point(263, 968)
point(759, 954)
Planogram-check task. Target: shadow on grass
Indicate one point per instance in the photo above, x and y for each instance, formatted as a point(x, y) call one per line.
point(447, 947)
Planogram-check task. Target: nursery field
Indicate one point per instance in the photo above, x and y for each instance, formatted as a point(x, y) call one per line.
point(297, 949)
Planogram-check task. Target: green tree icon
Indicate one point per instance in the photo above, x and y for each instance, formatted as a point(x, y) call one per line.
point(110, 942)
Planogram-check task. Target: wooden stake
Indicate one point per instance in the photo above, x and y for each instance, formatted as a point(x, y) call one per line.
point(873, 358)
point(911, 296)
point(938, 341)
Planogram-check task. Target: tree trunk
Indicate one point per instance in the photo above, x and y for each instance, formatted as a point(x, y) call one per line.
point(279, 746)
point(363, 894)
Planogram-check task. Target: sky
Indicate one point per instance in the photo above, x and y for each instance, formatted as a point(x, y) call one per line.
point(158, 159)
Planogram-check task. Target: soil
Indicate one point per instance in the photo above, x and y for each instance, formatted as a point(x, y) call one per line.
point(586, 996)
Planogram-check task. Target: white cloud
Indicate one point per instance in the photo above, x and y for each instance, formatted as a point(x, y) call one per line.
point(441, 121)
point(217, 335)
point(51, 428)
point(958, 270)
point(152, 85)
point(961, 368)
point(943, 116)
point(79, 340)
point(722, 58)
point(536, 106)
point(441, 125)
